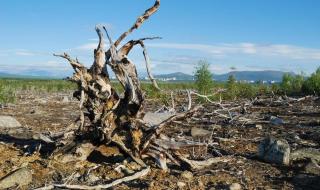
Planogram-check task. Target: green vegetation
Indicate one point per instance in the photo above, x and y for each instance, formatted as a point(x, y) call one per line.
point(203, 76)
point(37, 85)
point(9, 87)
point(291, 84)
point(312, 84)
point(232, 87)
point(7, 95)
point(300, 85)
point(296, 85)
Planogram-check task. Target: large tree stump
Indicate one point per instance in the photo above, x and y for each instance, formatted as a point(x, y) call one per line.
point(108, 117)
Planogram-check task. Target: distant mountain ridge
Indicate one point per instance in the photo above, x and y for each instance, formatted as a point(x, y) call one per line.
point(176, 75)
point(33, 74)
point(267, 75)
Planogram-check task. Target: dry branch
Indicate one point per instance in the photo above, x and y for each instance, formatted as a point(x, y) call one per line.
point(102, 186)
point(193, 164)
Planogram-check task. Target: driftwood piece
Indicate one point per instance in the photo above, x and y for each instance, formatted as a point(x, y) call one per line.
point(102, 186)
point(194, 164)
point(156, 130)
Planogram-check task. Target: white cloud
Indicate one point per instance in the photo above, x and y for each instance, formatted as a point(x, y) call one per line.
point(249, 48)
point(91, 46)
point(24, 53)
point(283, 50)
point(88, 46)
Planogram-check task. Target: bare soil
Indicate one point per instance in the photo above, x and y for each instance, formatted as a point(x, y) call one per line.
point(238, 139)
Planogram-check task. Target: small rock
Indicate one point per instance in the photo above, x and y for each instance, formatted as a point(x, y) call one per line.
point(65, 99)
point(276, 121)
point(235, 186)
point(187, 175)
point(199, 132)
point(181, 184)
point(20, 177)
point(9, 122)
point(275, 151)
point(258, 126)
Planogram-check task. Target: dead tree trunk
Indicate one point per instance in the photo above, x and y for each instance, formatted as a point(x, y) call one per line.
point(107, 117)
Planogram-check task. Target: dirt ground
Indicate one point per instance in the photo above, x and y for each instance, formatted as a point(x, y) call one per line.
point(237, 139)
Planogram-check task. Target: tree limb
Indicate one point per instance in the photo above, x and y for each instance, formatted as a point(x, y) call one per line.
point(136, 175)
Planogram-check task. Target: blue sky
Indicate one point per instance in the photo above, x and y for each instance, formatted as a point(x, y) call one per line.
point(247, 34)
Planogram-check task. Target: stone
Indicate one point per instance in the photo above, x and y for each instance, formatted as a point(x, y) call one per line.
point(235, 186)
point(258, 126)
point(156, 118)
point(276, 121)
point(199, 132)
point(65, 99)
point(187, 175)
point(274, 151)
point(9, 122)
point(20, 177)
point(181, 184)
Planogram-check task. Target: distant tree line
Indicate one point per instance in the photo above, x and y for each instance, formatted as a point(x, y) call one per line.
point(301, 85)
point(292, 85)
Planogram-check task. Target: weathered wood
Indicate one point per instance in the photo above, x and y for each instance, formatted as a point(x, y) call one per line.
point(194, 164)
point(136, 175)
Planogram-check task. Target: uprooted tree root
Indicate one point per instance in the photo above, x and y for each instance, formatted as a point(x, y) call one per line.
point(107, 117)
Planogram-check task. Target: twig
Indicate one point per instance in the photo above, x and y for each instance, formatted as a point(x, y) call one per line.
point(189, 100)
point(147, 59)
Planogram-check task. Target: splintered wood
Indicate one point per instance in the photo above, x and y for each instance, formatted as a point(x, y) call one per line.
point(109, 118)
